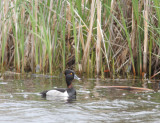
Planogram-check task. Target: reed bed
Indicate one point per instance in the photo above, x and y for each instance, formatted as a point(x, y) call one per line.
point(108, 37)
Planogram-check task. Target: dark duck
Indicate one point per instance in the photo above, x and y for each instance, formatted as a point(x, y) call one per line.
point(67, 93)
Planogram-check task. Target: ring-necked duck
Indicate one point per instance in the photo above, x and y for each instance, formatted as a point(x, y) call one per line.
point(69, 92)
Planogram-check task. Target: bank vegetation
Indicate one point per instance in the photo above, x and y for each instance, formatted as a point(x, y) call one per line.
point(98, 37)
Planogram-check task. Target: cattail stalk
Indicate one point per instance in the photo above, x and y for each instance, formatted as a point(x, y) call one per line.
point(145, 36)
point(99, 37)
point(86, 51)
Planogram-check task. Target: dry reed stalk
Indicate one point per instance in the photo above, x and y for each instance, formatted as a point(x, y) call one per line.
point(50, 8)
point(69, 19)
point(35, 37)
point(81, 38)
point(86, 51)
point(99, 37)
point(129, 88)
point(32, 53)
point(122, 65)
point(27, 46)
point(32, 46)
point(5, 30)
point(111, 22)
point(83, 3)
point(22, 54)
point(27, 51)
point(155, 74)
point(105, 52)
point(81, 20)
point(54, 22)
point(145, 36)
point(141, 3)
point(133, 33)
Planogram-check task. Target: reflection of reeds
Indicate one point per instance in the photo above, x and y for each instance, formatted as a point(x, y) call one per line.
point(49, 36)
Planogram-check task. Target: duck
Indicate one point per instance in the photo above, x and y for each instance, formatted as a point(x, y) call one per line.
point(68, 92)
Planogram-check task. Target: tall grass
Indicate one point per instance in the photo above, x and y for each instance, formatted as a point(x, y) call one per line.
point(49, 36)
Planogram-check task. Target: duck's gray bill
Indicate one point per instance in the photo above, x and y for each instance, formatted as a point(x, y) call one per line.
point(76, 77)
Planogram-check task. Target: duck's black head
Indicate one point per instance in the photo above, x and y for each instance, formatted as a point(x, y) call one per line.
point(70, 75)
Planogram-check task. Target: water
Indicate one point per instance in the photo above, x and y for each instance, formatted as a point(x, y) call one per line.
point(20, 101)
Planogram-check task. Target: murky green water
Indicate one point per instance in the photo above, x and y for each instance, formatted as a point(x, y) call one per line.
point(20, 101)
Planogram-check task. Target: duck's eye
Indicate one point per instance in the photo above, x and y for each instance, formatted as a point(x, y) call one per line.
point(70, 73)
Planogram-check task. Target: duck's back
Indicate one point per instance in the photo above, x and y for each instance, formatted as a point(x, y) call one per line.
point(59, 92)
point(54, 92)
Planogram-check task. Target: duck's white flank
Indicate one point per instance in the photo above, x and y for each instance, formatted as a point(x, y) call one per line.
point(57, 93)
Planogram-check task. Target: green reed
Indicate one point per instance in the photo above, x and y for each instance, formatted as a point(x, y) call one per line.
point(74, 33)
point(137, 19)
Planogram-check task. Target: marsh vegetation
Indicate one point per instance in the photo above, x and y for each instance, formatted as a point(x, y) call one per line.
point(93, 36)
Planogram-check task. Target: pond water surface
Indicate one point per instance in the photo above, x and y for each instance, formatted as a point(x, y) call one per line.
point(20, 101)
